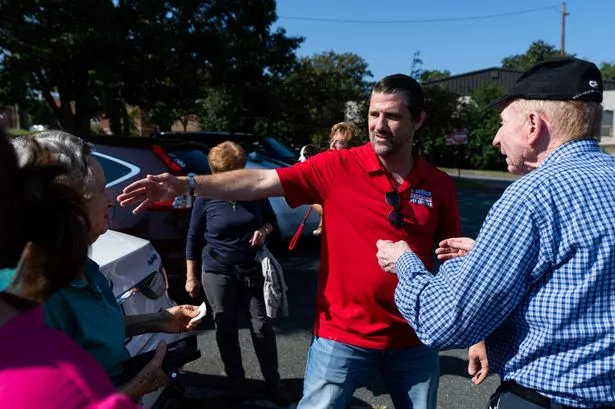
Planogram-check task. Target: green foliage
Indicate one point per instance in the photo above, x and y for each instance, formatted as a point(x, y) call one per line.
point(432, 75)
point(446, 112)
point(537, 52)
point(479, 153)
point(442, 117)
point(608, 70)
point(86, 58)
point(314, 96)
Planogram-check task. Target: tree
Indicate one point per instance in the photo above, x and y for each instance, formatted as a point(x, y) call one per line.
point(315, 95)
point(608, 70)
point(479, 153)
point(432, 75)
point(441, 108)
point(51, 47)
point(537, 52)
point(87, 58)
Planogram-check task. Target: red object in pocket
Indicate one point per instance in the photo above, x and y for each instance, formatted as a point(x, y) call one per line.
point(295, 238)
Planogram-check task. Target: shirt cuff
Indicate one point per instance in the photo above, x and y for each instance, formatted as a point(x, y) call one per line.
point(409, 264)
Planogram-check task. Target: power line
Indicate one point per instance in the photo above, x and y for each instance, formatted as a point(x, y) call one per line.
point(435, 20)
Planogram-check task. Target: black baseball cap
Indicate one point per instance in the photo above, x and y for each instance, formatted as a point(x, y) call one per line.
point(558, 79)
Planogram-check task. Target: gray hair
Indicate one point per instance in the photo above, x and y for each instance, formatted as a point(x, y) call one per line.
point(69, 150)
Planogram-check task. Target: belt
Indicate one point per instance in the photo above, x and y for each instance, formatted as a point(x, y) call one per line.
point(534, 397)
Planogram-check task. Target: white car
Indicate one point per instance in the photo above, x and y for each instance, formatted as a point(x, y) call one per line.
point(138, 280)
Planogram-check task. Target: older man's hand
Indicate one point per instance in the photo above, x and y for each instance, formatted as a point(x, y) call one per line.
point(389, 253)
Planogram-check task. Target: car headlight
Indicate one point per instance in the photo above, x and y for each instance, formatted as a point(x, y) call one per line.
point(152, 286)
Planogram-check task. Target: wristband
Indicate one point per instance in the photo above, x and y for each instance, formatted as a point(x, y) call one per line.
point(191, 184)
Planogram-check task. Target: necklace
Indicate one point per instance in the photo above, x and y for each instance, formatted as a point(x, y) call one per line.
point(233, 203)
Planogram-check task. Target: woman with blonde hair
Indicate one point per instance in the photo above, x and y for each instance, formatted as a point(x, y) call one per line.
point(343, 135)
point(222, 242)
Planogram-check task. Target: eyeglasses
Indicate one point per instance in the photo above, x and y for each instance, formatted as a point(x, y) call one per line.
point(395, 217)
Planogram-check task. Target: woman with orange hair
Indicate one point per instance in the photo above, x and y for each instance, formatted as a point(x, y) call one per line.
point(222, 242)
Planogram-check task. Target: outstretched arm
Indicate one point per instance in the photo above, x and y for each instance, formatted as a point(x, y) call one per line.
point(243, 184)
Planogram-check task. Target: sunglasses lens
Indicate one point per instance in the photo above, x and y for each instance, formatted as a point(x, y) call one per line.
point(396, 219)
point(392, 198)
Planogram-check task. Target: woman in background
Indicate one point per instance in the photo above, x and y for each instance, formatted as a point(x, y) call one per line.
point(343, 135)
point(222, 242)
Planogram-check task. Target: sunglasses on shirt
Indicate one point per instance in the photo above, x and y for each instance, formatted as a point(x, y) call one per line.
point(396, 219)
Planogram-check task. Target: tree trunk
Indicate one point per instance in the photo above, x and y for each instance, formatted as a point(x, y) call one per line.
point(126, 120)
point(82, 110)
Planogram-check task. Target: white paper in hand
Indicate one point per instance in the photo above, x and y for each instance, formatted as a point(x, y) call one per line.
point(202, 312)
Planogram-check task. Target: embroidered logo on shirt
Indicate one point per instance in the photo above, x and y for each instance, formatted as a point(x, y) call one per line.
point(421, 197)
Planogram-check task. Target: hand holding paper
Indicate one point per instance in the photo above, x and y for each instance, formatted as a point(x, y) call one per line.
point(202, 312)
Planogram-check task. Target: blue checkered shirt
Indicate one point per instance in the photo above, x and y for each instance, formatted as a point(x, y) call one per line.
point(539, 284)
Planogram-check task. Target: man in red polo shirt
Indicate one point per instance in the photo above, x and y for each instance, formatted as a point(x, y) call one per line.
point(379, 190)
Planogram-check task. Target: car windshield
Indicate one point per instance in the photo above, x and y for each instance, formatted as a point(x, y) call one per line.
point(281, 150)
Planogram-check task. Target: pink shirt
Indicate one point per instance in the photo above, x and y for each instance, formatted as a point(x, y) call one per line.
point(41, 367)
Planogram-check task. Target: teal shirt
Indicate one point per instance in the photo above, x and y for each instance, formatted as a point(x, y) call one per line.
point(89, 314)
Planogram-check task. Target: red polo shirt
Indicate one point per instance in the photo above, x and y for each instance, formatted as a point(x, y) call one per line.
point(354, 299)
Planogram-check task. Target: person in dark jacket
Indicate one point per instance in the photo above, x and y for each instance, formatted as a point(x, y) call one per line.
point(222, 242)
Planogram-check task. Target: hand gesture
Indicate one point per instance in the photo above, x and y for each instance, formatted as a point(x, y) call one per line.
point(478, 364)
point(454, 247)
point(258, 239)
point(177, 319)
point(150, 378)
point(389, 252)
point(150, 190)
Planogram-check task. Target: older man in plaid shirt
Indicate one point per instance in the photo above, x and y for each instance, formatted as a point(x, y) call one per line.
point(539, 283)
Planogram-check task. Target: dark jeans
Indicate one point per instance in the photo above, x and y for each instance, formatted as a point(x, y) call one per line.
point(228, 295)
point(503, 399)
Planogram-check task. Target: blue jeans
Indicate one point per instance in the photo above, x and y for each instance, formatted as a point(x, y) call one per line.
point(334, 370)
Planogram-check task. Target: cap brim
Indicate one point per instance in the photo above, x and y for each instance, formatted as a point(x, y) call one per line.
point(498, 103)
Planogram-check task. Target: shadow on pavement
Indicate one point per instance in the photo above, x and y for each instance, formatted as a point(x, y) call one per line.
point(450, 365)
point(203, 390)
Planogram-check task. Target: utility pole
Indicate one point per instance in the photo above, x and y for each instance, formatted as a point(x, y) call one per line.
point(563, 38)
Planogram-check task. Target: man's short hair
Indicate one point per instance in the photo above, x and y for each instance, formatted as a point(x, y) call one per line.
point(570, 119)
point(410, 90)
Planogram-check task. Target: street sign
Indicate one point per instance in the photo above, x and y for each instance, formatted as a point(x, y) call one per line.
point(457, 137)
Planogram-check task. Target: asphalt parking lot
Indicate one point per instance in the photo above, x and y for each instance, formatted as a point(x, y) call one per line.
point(205, 381)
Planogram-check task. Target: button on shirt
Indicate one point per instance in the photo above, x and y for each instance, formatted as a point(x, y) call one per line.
point(354, 299)
point(89, 314)
point(539, 283)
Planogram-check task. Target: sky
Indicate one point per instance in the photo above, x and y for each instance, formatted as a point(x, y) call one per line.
point(459, 46)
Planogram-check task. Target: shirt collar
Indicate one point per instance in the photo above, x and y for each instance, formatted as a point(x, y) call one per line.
point(371, 164)
point(90, 270)
point(571, 148)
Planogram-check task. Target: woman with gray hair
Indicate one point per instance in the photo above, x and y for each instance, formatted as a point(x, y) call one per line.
point(86, 310)
point(43, 230)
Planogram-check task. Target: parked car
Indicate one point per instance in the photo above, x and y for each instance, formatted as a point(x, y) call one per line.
point(136, 275)
point(270, 148)
point(125, 160)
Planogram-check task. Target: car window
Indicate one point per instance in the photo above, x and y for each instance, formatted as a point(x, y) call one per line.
point(116, 170)
point(280, 148)
point(190, 160)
